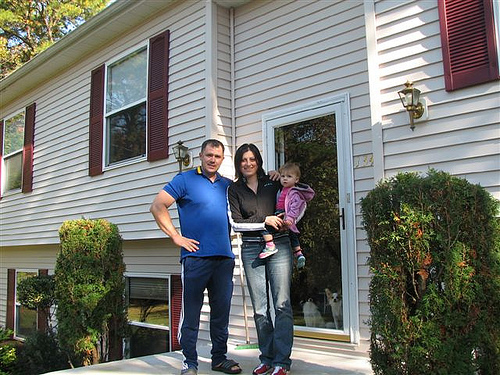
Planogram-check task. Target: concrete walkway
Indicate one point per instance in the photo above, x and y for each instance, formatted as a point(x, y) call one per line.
point(305, 362)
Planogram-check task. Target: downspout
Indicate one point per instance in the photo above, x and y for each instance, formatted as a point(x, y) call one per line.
point(233, 152)
point(210, 70)
point(374, 92)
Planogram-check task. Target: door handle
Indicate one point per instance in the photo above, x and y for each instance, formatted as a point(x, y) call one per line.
point(342, 216)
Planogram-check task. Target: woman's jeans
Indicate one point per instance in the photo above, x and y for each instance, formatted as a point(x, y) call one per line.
point(272, 274)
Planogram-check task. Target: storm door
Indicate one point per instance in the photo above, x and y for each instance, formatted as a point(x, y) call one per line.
point(317, 137)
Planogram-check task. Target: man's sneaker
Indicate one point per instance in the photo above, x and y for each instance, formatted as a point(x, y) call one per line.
point(278, 370)
point(189, 371)
point(301, 262)
point(268, 251)
point(262, 369)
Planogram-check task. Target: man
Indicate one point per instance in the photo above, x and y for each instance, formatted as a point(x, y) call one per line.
point(207, 259)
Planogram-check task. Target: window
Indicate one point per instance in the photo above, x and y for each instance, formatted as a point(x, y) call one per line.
point(153, 313)
point(469, 45)
point(26, 320)
point(128, 107)
point(13, 142)
point(16, 146)
point(17, 318)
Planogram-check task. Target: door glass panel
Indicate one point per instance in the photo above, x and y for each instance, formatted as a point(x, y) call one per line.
point(313, 145)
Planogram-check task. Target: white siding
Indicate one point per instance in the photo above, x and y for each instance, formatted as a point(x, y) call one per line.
point(62, 189)
point(462, 133)
point(293, 52)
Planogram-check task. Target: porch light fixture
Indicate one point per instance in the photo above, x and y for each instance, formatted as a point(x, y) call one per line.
point(181, 155)
point(410, 97)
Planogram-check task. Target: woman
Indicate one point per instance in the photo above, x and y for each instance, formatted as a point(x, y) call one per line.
point(252, 200)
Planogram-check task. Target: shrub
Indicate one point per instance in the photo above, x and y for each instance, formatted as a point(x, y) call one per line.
point(435, 260)
point(40, 354)
point(90, 290)
point(7, 352)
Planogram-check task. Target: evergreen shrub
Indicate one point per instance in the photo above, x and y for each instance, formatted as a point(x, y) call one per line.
point(435, 287)
point(8, 355)
point(40, 354)
point(90, 286)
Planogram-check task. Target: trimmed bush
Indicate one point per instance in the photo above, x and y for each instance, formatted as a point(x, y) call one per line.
point(40, 354)
point(435, 260)
point(90, 289)
point(7, 352)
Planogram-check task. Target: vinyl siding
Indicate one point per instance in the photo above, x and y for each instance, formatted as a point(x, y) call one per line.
point(462, 133)
point(279, 64)
point(62, 189)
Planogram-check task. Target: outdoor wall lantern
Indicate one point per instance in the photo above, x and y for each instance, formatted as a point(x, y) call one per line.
point(181, 155)
point(410, 97)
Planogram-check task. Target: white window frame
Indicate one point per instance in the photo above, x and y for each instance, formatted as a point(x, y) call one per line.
point(11, 154)
point(106, 114)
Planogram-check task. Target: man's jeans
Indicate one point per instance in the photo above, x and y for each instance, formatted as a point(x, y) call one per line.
point(275, 273)
point(216, 275)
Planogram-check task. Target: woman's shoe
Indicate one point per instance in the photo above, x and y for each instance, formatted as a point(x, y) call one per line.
point(278, 370)
point(262, 369)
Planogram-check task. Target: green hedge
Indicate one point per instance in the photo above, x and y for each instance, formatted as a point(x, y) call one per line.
point(435, 287)
point(90, 290)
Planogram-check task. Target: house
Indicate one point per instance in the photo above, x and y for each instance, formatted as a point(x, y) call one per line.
point(89, 124)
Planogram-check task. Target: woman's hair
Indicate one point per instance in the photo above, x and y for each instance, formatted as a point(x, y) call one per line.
point(239, 156)
point(290, 167)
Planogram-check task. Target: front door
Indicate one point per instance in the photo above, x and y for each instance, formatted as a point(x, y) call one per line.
point(317, 137)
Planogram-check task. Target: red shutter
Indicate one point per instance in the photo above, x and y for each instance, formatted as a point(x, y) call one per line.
point(157, 117)
point(42, 315)
point(468, 42)
point(96, 121)
point(175, 310)
point(29, 137)
point(1, 155)
point(11, 293)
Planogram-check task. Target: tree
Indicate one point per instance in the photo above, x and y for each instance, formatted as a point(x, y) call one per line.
point(29, 27)
point(90, 288)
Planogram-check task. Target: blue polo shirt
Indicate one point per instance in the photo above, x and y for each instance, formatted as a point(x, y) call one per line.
point(202, 208)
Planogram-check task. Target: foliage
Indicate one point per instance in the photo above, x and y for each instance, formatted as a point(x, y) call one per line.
point(435, 260)
point(7, 352)
point(90, 289)
point(40, 354)
point(36, 292)
point(29, 27)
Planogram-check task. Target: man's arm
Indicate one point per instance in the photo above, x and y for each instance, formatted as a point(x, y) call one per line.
point(159, 209)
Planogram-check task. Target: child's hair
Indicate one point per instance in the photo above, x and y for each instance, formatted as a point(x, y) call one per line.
point(290, 167)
